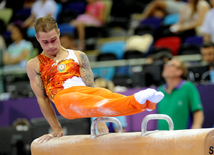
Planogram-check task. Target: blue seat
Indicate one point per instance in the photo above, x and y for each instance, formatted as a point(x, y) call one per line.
point(31, 32)
point(66, 28)
point(104, 72)
point(115, 47)
point(171, 19)
point(152, 21)
point(195, 40)
point(78, 7)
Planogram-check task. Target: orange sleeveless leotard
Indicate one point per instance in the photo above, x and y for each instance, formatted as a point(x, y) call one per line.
point(82, 101)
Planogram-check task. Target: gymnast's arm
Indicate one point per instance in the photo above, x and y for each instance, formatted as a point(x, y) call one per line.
point(43, 100)
point(88, 78)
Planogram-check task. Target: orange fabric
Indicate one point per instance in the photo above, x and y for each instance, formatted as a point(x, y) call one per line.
point(82, 102)
point(55, 74)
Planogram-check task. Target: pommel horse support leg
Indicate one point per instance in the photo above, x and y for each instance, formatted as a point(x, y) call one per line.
point(172, 142)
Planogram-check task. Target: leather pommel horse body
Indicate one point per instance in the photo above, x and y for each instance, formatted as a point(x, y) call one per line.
point(172, 142)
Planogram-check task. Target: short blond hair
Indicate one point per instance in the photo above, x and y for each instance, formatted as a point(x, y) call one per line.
point(45, 24)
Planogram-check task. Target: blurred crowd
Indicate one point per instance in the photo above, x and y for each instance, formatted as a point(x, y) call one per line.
point(154, 30)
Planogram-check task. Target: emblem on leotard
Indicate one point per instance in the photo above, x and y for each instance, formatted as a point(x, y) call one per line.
point(61, 67)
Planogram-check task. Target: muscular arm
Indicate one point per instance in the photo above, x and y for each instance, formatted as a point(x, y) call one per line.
point(85, 69)
point(43, 101)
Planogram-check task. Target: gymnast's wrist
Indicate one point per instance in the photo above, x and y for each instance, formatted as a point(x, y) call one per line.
point(56, 128)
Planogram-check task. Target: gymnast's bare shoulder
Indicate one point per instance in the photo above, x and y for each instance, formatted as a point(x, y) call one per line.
point(33, 66)
point(81, 56)
point(78, 53)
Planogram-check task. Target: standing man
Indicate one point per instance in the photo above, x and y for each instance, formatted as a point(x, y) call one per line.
point(181, 98)
point(64, 77)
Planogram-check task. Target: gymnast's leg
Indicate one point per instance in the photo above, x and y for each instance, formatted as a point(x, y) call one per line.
point(81, 102)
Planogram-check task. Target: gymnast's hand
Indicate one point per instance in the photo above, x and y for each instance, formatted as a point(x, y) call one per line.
point(102, 128)
point(47, 137)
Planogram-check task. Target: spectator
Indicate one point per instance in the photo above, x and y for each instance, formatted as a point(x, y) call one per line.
point(191, 18)
point(41, 8)
point(181, 98)
point(94, 16)
point(67, 41)
point(160, 8)
point(207, 28)
point(108, 84)
point(20, 50)
point(207, 53)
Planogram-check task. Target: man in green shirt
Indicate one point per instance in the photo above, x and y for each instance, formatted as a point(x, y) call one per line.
point(181, 98)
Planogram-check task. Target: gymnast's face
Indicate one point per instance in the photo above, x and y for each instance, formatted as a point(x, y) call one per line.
point(49, 41)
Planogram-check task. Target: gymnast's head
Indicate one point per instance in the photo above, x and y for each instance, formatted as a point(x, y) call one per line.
point(48, 35)
point(45, 25)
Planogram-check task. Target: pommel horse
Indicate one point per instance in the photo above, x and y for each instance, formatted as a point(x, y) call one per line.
point(170, 142)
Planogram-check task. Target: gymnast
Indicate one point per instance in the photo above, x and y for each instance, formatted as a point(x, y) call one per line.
point(64, 77)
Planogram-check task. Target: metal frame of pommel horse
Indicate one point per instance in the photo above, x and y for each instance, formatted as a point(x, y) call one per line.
point(172, 142)
point(104, 119)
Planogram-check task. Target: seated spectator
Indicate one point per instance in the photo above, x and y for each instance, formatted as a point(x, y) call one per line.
point(108, 84)
point(40, 8)
point(20, 50)
point(160, 8)
point(94, 16)
point(191, 18)
point(181, 98)
point(207, 53)
point(207, 28)
point(67, 41)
